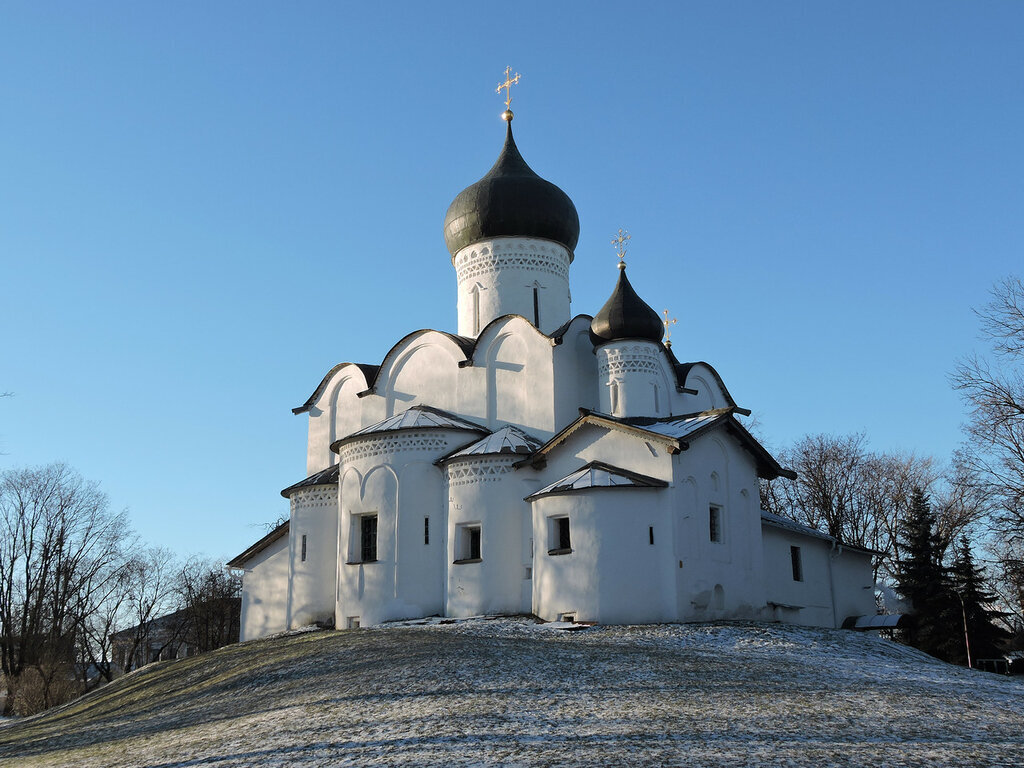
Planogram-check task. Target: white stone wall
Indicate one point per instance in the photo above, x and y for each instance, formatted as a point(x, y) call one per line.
point(614, 574)
point(265, 592)
point(634, 379)
point(500, 277)
point(838, 575)
point(314, 514)
point(717, 579)
point(487, 492)
point(392, 475)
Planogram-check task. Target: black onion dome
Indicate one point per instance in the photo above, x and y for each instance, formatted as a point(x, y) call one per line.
point(512, 201)
point(625, 316)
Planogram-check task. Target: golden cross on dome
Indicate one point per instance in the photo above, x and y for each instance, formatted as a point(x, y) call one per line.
point(620, 246)
point(668, 323)
point(507, 85)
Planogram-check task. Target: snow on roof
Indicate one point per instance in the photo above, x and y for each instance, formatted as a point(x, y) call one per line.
point(327, 476)
point(598, 475)
point(507, 440)
point(792, 525)
point(680, 427)
point(417, 417)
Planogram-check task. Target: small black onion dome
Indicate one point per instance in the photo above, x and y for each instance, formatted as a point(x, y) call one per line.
point(625, 316)
point(512, 201)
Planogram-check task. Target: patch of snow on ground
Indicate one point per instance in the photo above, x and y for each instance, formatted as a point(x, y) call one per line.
point(511, 691)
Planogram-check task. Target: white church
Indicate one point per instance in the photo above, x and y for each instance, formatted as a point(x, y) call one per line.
point(536, 463)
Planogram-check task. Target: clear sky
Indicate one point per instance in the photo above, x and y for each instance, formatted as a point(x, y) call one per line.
point(204, 206)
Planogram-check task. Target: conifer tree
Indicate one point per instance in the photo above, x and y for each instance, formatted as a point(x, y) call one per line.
point(926, 583)
point(985, 637)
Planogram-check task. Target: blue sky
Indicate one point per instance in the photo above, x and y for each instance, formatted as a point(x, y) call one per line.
point(204, 206)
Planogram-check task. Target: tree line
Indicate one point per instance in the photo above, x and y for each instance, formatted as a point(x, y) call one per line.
point(925, 517)
point(72, 574)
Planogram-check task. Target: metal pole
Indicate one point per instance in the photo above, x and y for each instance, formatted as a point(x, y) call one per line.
point(967, 642)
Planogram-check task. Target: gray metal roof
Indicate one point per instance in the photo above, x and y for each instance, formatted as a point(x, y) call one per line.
point(420, 417)
point(327, 476)
point(417, 417)
point(597, 474)
point(683, 426)
point(507, 440)
point(792, 525)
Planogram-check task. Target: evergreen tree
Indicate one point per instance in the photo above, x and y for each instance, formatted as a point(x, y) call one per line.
point(986, 638)
point(926, 583)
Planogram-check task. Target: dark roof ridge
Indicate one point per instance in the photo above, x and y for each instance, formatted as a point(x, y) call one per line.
point(328, 476)
point(369, 371)
point(239, 560)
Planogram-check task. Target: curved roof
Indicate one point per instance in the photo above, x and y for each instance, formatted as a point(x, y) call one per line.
point(625, 316)
point(597, 474)
point(507, 440)
point(416, 417)
point(511, 200)
point(468, 345)
point(368, 371)
point(327, 476)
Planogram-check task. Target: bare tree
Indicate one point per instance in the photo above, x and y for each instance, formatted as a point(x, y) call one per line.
point(151, 595)
point(211, 595)
point(858, 496)
point(993, 389)
point(59, 543)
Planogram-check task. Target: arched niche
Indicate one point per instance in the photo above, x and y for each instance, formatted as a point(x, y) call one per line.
point(507, 390)
point(425, 373)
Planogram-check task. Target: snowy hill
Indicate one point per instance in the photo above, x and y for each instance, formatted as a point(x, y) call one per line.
point(509, 692)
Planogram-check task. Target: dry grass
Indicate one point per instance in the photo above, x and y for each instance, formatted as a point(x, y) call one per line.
point(508, 692)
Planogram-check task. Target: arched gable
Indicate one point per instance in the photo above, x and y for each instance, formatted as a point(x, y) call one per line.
point(706, 388)
point(517, 360)
point(334, 411)
point(420, 369)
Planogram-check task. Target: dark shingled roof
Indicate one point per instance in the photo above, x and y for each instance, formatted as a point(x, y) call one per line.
point(259, 546)
point(327, 476)
point(511, 200)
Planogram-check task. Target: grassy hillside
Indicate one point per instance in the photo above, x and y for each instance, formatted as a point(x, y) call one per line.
point(508, 692)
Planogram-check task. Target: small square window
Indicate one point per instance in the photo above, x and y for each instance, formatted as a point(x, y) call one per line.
point(798, 568)
point(715, 523)
point(467, 543)
point(353, 622)
point(559, 541)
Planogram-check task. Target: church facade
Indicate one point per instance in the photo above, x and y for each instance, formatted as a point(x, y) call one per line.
point(535, 462)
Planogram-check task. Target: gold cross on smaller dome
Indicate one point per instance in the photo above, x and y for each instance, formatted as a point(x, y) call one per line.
point(620, 246)
point(510, 80)
point(668, 323)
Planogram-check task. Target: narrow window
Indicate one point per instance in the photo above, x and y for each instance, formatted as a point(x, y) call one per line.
point(614, 397)
point(536, 307)
point(303, 547)
point(798, 570)
point(527, 573)
point(559, 542)
point(715, 523)
point(657, 407)
point(650, 534)
point(368, 538)
point(474, 543)
point(476, 309)
point(426, 530)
